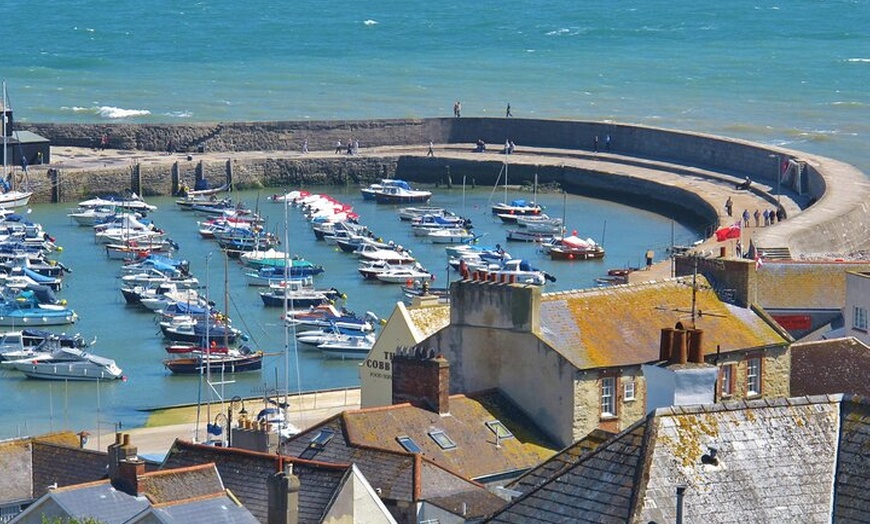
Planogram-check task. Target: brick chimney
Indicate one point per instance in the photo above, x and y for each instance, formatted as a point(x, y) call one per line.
point(119, 451)
point(421, 378)
point(129, 471)
point(283, 489)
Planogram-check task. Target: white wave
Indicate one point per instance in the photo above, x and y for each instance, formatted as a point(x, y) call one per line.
point(77, 109)
point(558, 32)
point(117, 112)
point(858, 60)
point(370, 22)
point(180, 114)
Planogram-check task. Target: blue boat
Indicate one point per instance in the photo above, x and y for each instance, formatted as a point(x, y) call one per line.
point(24, 309)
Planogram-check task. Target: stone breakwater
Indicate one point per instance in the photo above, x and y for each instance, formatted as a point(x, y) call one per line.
point(824, 205)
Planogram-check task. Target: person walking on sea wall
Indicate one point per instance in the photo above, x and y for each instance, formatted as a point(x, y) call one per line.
point(729, 205)
point(431, 151)
point(338, 147)
point(507, 112)
point(457, 109)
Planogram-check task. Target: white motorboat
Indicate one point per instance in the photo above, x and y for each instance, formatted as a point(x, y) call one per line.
point(450, 236)
point(402, 275)
point(348, 346)
point(408, 214)
point(66, 363)
point(391, 256)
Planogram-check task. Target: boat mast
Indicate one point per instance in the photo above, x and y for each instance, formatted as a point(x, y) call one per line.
point(4, 105)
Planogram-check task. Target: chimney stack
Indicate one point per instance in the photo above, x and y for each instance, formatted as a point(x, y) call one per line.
point(667, 343)
point(119, 451)
point(421, 378)
point(283, 489)
point(129, 471)
point(679, 352)
point(696, 346)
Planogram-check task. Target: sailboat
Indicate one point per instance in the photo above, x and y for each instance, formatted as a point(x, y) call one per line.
point(10, 197)
point(507, 210)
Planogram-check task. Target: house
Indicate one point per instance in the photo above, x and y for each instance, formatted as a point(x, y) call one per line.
point(572, 360)
point(407, 326)
point(130, 494)
point(326, 492)
point(430, 454)
point(840, 365)
point(799, 459)
point(857, 305)
point(31, 466)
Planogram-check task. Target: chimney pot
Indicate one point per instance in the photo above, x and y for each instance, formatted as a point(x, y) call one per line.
point(679, 351)
point(666, 344)
point(696, 347)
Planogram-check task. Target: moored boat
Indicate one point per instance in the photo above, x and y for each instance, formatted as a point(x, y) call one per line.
point(67, 363)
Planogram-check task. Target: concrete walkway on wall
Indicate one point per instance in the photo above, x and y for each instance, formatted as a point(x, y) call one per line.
point(712, 187)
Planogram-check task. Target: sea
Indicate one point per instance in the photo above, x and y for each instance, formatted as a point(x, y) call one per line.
point(791, 74)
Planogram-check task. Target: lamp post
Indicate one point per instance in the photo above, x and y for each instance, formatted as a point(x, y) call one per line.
point(776, 157)
point(242, 414)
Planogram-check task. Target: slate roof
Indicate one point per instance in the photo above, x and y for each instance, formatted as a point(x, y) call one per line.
point(31, 464)
point(213, 509)
point(840, 365)
point(98, 500)
point(475, 456)
point(64, 465)
point(170, 486)
point(776, 461)
point(621, 325)
point(245, 473)
point(560, 462)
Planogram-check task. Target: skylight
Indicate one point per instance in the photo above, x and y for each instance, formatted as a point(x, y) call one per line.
point(501, 431)
point(322, 438)
point(442, 439)
point(409, 444)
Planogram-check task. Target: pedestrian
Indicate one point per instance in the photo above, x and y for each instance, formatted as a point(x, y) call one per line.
point(507, 113)
point(757, 216)
point(649, 258)
point(356, 147)
point(595, 144)
point(305, 146)
point(338, 147)
point(607, 142)
point(431, 149)
point(780, 214)
point(729, 205)
point(766, 217)
point(104, 141)
point(773, 217)
point(457, 109)
point(511, 147)
point(349, 147)
point(507, 147)
point(745, 218)
point(739, 249)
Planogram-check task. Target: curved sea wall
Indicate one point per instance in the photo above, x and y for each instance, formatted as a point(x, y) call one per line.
point(837, 222)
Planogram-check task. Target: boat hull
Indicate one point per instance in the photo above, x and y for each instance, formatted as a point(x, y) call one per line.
point(195, 365)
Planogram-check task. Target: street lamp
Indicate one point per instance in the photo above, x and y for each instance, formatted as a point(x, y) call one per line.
point(242, 414)
point(776, 157)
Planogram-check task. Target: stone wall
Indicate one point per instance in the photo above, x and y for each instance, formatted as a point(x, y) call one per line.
point(842, 228)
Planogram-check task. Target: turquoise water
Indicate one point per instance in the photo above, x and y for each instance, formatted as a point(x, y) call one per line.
point(130, 336)
point(786, 73)
point(790, 73)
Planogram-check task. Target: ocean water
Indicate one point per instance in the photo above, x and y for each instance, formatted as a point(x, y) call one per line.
point(785, 73)
point(790, 73)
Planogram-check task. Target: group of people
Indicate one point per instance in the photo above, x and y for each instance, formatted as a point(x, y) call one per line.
point(596, 143)
point(762, 218)
point(509, 147)
point(352, 147)
point(457, 110)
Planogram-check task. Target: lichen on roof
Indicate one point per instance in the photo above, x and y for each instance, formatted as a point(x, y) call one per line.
point(430, 318)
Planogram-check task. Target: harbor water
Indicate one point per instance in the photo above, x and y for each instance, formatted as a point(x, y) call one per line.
point(792, 74)
point(130, 335)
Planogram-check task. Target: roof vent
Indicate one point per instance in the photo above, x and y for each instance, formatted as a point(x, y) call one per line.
point(710, 458)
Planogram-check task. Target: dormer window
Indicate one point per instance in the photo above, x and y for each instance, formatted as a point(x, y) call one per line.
point(442, 439)
point(501, 431)
point(409, 444)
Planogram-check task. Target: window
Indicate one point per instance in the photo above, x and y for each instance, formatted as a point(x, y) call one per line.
point(726, 380)
point(409, 444)
point(501, 431)
point(859, 320)
point(753, 376)
point(442, 439)
point(628, 391)
point(608, 402)
point(322, 438)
